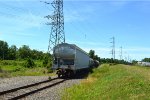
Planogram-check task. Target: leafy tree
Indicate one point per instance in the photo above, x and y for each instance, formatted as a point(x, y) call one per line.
point(146, 60)
point(134, 62)
point(3, 50)
point(37, 55)
point(47, 62)
point(40, 55)
point(92, 54)
point(29, 63)
point(34, 54)
point(110, 60)
point(24, 52)
point(96, 57)
point(12, 52)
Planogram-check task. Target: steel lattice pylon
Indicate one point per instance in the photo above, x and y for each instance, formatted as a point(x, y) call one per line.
point(57, 34)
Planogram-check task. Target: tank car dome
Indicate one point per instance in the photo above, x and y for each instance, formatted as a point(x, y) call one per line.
point(64, 50)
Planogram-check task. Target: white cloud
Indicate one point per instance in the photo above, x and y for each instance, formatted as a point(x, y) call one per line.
point(25, 34)
point(73, 16)
point(33, 20)
point(22, 22)
point(137, 49)
point(75, 12)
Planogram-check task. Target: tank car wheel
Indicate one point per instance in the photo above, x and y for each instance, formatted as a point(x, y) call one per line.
point(59, 73)
point(70, 74)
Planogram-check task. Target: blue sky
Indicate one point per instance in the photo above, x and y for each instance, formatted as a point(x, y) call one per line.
point(88, 23)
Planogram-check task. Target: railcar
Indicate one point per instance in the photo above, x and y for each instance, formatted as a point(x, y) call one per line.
point(69, 58)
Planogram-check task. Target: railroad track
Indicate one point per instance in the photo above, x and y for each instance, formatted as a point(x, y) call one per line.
point(21, 92)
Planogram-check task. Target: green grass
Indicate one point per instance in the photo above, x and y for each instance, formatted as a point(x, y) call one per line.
point(12, 68)
point(119, 82)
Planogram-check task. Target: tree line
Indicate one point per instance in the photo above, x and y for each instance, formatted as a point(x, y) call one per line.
point(12, 52)
point(146, 60)
point(24, 52)
point(106, 60)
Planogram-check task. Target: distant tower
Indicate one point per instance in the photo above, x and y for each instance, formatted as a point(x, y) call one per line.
point(113, 47)
point(57, 34)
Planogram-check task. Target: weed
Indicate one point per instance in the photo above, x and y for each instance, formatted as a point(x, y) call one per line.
point(121, 82)
point(11, 68)
point(29, 63)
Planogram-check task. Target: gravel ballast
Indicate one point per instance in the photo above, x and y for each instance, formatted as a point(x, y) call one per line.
point(10, 83)
point(52, 93)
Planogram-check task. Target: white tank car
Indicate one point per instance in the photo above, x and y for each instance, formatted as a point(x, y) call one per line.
point(68, 58)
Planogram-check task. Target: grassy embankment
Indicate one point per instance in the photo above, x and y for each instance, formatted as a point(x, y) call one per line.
point(12, 68)
point(113, 82)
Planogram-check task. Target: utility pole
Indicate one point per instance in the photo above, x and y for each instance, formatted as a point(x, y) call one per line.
point(57, 34)
point(113, 48)
point(112, 53)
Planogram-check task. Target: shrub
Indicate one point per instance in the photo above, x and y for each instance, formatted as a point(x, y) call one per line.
point(1, 69)
point(5, 63)
point(14, 63)
point(45, 61)
point(5, 75)
point(29, 63)
point(17, 69)
point(49, 67)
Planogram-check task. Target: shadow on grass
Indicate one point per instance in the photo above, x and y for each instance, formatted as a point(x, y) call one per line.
point(82, 74)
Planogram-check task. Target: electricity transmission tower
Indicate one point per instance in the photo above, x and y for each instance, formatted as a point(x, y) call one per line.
point(57, 34)
point(113, 47)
